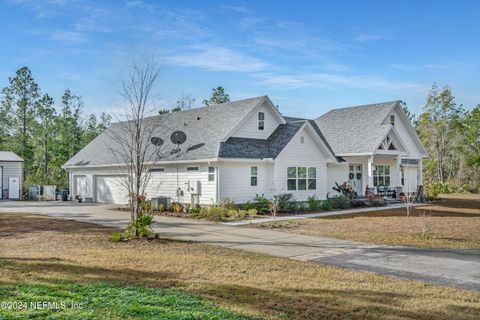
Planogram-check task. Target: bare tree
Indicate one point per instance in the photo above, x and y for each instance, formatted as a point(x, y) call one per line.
point(135, 139)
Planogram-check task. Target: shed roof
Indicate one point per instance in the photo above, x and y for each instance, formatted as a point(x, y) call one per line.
point(8, 156)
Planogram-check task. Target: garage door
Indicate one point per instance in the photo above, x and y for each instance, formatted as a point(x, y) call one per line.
point(109, 189)
point(80, 186)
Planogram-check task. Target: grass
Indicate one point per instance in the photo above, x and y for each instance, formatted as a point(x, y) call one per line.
point(104, 301)
point(58, 258)
point(455, 223)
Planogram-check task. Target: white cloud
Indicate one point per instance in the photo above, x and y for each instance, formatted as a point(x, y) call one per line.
point(216, 58)
point(69, 37)
point(370, 37)
point(331, 81)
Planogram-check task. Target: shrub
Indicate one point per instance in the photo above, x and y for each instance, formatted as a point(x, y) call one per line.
point(249, 205)
point(433, 189)
point(326, 205)
point(176, 207)
point(141, 227)
point(146, 205)
point(261, 203)
point(313, 203)
point(161, 207)
point(228, 203)
point(222, 214)
point(286, 202)
point(116, 237)
point(301, 207)
point(339, 202)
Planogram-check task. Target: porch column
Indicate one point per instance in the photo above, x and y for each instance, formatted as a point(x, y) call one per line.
point(370, 171)
point(399, 164)
point(420, 172)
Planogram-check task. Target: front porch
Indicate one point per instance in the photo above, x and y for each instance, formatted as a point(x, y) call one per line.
point(382, 170)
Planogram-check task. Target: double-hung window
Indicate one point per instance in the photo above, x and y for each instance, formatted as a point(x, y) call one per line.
point(301, 178)
point(211, 174)
point(381, 176)
point(253, 176)
point(261, 121)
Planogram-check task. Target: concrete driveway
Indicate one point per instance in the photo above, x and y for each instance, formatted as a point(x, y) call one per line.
point(460, 268)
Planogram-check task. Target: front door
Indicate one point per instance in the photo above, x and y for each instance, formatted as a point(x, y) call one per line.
point(355, 177)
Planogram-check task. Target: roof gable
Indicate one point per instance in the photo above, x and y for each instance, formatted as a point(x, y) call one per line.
point(355, 130)
point(205, 127)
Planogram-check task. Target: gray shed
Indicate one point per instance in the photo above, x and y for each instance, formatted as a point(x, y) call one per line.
point(11, 175)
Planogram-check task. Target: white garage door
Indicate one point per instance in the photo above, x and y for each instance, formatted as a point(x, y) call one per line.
point(109, 189)
point(80, 185)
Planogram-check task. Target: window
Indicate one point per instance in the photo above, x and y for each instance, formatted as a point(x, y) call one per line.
point(301, 178)
point(381, 176)
point(190, 169)
point(253, 176)
point(261, 120)
point(211, 174)
point(392, 120)
point(302, 139)
point(157, 170)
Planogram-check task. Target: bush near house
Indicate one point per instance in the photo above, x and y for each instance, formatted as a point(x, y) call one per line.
point(314, 203)
point(221, 213)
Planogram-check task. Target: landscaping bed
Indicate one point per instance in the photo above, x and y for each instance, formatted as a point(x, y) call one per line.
point(161, 279)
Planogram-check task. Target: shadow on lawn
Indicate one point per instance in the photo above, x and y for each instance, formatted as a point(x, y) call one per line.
point(296, 303)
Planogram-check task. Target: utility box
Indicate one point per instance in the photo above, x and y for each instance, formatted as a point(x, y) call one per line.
point(49, 193)
point(165, 201)
point(194, 187)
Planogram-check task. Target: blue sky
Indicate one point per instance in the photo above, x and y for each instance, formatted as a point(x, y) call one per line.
point(308, 56)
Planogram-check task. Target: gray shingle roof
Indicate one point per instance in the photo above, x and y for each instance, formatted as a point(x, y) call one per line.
point(8, 156)
point(207, 125)
point(355, 129)
point(248, 148)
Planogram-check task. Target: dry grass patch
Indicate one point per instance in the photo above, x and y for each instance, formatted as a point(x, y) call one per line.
point(455, 223)
point(53, 251)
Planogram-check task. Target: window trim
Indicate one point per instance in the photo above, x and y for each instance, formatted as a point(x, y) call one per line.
point(254, 177)
point(303, 179)
point(377, 175)
point(261, 120)
point(211, 174)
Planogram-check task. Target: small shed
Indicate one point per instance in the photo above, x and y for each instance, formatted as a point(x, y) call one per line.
point(11, 175)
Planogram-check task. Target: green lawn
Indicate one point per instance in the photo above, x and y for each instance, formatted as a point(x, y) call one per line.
point(105, 301)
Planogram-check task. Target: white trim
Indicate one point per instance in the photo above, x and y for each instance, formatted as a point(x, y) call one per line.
point(392, 152)
point(355, 154)
point(409, 126)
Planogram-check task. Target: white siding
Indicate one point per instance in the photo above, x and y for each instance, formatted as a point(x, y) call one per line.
point(405, 135)
point(165, 183)
point(249, 128)
point(297, 154)
point(235, 180)
point(160, 184)
point(336, 173)
point(11, 169)
point(411, 178)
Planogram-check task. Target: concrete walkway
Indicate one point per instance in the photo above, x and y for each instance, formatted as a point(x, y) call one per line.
point(460, 268)
point(321, 214)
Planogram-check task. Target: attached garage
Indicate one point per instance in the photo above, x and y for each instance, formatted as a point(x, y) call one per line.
point(80, 186)
point(109, 189)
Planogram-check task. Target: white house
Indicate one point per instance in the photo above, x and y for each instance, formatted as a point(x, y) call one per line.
point(244, 148)
point(11, 175)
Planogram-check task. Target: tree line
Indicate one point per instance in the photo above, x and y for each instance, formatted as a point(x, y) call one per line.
point(44, 133)
point(451, 135)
